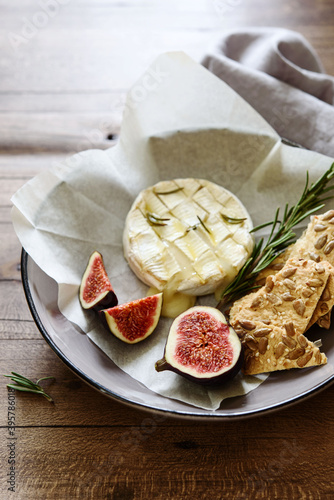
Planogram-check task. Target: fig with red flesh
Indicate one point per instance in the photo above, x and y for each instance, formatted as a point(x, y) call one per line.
point(202, 347)
point(136, 320)
point(96, 291)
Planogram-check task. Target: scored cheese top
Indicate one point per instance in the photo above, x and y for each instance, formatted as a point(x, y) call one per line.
point(178, 236)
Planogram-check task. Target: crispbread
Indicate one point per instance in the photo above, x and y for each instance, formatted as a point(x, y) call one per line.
point(271, 348)
point(304, 248)
point(317, 241)
point(322, 313)
point(297, 291)
point(291, 295)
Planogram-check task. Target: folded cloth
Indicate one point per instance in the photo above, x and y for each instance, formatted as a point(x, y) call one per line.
point(278, 73)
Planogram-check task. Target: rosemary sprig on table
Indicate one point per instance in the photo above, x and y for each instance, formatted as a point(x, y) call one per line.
point(280, 237)
point(26, 385)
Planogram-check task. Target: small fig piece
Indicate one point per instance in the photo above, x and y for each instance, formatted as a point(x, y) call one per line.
point(202, 347)
point(136, 320)
point(96, 291)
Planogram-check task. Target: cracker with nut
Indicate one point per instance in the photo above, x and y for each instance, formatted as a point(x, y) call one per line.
point(275, 266)
point(316, 243)
point(271, 348)
point(322, 313)
point(291, 295)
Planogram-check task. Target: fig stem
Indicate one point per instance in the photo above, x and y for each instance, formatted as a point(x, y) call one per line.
point(161, 365)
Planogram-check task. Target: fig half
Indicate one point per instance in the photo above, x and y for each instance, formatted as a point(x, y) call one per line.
point(96, 291)
point(202, 347)
point(136, 320)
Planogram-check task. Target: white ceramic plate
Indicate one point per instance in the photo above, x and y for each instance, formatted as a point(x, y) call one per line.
point(92, 365)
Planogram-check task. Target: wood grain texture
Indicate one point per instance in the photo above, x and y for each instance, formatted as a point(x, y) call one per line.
point(147, 458)
point(63, 85)
point(62, 90)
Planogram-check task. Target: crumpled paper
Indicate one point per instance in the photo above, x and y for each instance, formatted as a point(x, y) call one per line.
point(179, 121)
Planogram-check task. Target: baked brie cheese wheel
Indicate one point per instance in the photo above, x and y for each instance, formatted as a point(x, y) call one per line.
point(187, 235)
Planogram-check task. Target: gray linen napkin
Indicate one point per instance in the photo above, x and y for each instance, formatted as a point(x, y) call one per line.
point(278, 73)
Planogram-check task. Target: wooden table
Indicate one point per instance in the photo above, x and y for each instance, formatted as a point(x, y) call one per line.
point(64, 74)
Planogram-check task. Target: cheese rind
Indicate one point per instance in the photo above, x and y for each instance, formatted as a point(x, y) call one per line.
point(182, 236)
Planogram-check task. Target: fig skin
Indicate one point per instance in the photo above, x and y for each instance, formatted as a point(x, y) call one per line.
point(134, 321)
point(212, 381)
point(96, 284)
point(213, 378)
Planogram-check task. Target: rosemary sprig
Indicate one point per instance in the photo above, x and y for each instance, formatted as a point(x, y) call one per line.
point(193, 228)
point(172, 191)
point(26, 385)
point(232, 220)
point(155, 220)
point(280, 237)
point(202, 224)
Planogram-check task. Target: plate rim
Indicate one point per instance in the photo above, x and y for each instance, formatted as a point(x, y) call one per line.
point(210, 415)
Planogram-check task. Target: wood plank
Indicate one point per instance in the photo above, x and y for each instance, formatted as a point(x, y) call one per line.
point(13, 304)
point(25, 166)
point(96, 49)
point(11, 269)
point(64, 132)
point(8, 188)
point(63, 101)
point(175, 25)
point(10, 249)
point(4, 215)
point(19, 330)
point(82, 99)
point(200, 461)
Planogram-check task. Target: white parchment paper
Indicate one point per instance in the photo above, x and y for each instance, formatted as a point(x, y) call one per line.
point(179, 121)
